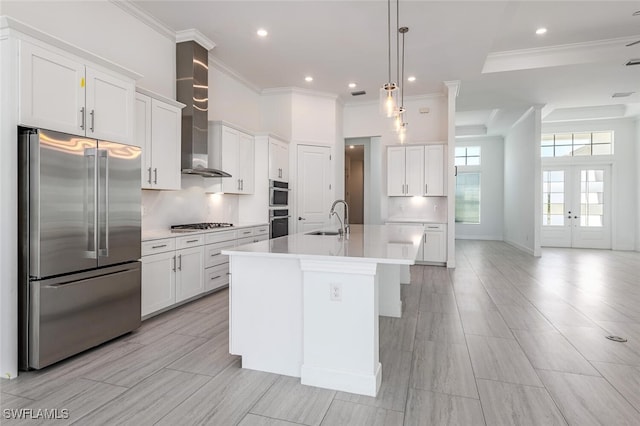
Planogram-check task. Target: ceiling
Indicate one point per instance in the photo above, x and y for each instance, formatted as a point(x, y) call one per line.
point(491, 46)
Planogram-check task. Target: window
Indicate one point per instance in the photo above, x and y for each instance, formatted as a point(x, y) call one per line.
point(468, 197)
point(467, 163)
point(553, 198)
point(575, 144)
point(467, 156)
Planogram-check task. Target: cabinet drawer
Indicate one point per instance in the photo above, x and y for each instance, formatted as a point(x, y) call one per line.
point(216, 277)
point(158, 246)
point(261, 237)
point(245, 232)
point(216, 237)
point(189, 241)
point(246, 240)
point(434, 227)
point(260, 230)
point(213, 256)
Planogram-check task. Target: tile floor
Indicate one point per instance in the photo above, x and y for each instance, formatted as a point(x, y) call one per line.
point(503, 339)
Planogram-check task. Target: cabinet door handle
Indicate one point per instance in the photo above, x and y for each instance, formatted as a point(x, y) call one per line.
point(174, 264)
point(93, 120)
point(238, 184)
point(160, 246)
point(149, 176)
point(242, 184)
point(426, 190)
point(216, 277)
point(425, 238)
point(155, 175)
point(179, 262)
point(192, 241)
point(83, 121)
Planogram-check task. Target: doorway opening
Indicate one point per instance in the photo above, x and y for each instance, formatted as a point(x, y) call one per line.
point(354, 182)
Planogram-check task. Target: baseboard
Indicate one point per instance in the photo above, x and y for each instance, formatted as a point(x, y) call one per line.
point(479, 237)
point(520, 247)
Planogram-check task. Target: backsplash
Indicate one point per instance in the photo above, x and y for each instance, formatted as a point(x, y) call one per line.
point(161, 209)
point(431, 209)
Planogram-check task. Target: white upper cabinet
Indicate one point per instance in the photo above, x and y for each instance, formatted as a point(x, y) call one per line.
point(158, 124)
point(232, 151)
point(278, 160)
point(434, 167)
point(405, 170)
point(60, 92)
point(415, 170)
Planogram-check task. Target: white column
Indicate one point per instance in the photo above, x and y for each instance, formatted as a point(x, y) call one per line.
point(340, 331)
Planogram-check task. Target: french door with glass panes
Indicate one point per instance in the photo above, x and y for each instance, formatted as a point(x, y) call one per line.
point(576, 206)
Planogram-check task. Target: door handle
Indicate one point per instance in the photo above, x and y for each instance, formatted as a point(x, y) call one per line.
point(302, 218)
point(174, 264)
point(83, 122)
point(238, 184)
point(93, 120)
point(104, 209)
point(155, 175)
point(149, 176)
point(426, 190)
point(179, 262)
point(92, 213)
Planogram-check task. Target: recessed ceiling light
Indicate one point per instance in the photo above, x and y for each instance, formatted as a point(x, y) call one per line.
point(262, 32)
point(411, 78)
point(352, 146)
point(541, 31)
point(352, 85)
point(308, 79)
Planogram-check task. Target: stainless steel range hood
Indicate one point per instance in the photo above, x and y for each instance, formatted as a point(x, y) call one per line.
point(192, 89)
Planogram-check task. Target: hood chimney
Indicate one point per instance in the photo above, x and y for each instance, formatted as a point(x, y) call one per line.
point(192, 89)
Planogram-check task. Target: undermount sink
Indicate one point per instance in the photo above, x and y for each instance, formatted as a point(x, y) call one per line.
point(323, 233)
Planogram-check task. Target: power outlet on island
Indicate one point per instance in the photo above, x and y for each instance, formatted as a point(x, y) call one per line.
point(335, 292)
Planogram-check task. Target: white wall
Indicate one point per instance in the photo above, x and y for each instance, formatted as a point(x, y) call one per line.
point(624, 174)
point(232, 101)
point(276, 112)
point(491, 190)
point(520, 150)
point(106, 30)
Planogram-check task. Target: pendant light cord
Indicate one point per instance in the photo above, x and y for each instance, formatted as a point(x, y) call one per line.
point(389, 34)
point(398, 42)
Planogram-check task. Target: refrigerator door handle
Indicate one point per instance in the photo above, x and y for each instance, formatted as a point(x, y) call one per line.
point(103, 190)
point(92, 213)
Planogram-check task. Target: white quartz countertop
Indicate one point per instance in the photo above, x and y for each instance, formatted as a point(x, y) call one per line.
point(159, 234)
point(411, 220)
point(392, 244)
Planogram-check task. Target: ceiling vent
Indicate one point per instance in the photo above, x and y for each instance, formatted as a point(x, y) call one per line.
point(622, 94)
point(358, 93)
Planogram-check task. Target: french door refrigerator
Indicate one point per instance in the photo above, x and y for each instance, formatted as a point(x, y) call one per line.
point(79, 237)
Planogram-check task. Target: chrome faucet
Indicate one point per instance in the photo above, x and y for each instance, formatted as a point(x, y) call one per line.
point(344, 225)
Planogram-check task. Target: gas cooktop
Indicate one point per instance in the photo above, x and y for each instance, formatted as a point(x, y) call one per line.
point(204, 225)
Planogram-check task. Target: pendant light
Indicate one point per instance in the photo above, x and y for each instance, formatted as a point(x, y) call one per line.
point(389, 90)
point(401, 125)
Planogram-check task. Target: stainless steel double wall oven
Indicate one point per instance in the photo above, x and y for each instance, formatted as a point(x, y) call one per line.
point(278, 208)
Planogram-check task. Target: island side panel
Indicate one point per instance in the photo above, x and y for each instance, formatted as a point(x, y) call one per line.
point(341, 341)
point(265, 313)
point(390, 302)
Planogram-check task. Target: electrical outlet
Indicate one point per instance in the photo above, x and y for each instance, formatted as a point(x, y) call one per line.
point(335, 292)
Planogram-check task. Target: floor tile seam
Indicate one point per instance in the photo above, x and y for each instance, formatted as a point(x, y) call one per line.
point(485, 335)
point(20, 396)
point(473, 371)
point(200, 374)
point(413, 352)
point(274, 418)
point(188, 396)
point(259, 398)
point(446, 393)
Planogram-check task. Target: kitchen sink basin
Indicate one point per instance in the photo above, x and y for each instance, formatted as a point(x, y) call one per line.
point(323, 233)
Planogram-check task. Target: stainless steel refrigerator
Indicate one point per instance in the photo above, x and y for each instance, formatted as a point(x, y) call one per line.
point(79, 242)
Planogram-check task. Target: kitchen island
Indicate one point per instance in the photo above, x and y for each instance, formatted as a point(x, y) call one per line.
point(307, 305)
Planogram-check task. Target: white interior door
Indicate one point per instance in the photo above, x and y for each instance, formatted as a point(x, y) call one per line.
point(576, 206)
point(313, 190)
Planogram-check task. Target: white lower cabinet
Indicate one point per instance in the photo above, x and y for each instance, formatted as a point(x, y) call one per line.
point(181, 268)
point(435, 242)
point(189, 273)
point(158, 282)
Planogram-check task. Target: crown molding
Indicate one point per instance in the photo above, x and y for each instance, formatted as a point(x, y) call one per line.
point(299, 91)
point(146, 18)
point(563, 54)
point(413, 98)
point(225, 69)
point(194, 35)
